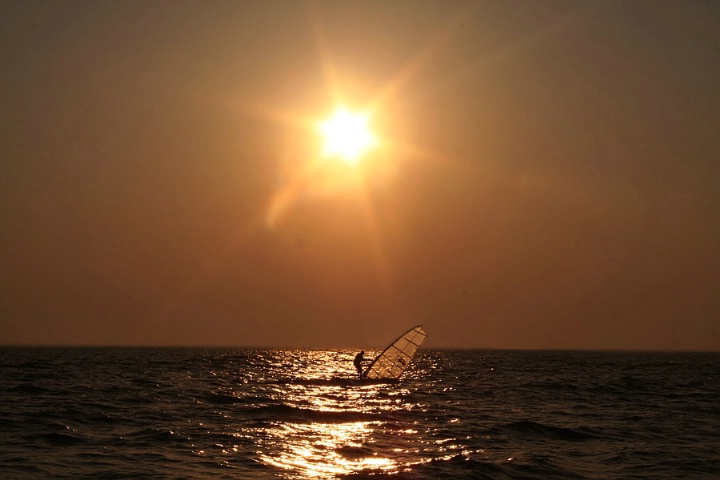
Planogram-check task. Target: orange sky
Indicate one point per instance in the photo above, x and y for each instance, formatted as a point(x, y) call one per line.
point(548, 178)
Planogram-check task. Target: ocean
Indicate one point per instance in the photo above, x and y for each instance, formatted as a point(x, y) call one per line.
point(243, 413)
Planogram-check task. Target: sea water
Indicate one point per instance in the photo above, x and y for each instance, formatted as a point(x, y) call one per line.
point(208, 413)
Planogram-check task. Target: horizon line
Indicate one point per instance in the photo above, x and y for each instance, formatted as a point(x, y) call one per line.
point(286, 347)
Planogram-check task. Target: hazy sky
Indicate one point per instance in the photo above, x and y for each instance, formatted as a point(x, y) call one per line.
point(548, 174)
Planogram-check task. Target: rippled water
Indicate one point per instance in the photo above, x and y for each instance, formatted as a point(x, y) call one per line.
point(188, 413)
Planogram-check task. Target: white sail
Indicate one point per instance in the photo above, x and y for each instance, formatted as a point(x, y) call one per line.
point(393, 361)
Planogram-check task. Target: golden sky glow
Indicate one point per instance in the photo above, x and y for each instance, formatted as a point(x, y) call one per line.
point(522, 174)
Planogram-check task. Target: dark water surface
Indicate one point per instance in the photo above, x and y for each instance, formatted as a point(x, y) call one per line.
point(190, 413)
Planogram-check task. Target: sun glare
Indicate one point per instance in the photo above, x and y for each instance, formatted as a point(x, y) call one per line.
point(347, 135)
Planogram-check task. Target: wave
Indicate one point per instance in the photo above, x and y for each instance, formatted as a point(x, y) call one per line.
point(462, 466)
point(230, 399)
point(29, 389)
point(155, 435)
point(306, 415)
point(221, 399)
point(334, 381)
point(532, 429)
point(354, 452)
point(62, 439)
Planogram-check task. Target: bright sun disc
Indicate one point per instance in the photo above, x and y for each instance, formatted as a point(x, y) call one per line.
point(347, 135)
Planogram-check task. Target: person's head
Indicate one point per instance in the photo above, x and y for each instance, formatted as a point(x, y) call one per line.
point(362, 352)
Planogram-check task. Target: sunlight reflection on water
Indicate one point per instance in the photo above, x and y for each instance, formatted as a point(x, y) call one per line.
point(334, 424)
point(325, 449)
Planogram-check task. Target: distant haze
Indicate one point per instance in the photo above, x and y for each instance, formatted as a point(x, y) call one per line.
point(551, 177)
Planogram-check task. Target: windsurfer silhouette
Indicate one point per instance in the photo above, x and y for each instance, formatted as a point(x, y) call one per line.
point(359, 359)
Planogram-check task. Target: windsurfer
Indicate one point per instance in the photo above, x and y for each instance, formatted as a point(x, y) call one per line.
point(359, 359)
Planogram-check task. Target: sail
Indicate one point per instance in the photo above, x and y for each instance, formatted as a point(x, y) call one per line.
point(393, 361)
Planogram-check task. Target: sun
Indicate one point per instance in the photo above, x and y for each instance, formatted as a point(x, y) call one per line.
point(347, 135)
